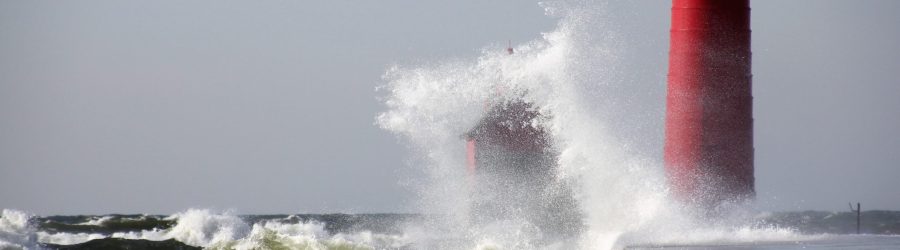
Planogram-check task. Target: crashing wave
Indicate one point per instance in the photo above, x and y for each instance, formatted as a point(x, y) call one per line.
point(206, 229)
point(16, 231)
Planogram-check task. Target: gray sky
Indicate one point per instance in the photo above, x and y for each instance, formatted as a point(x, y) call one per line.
point(268, 107)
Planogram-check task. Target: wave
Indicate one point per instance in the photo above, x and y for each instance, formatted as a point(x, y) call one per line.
point(106, 224)
point(15, 230)
point(196, 228)
point(117, 243)
point(200, 228)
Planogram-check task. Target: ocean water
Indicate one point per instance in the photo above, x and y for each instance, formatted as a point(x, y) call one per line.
point(599, 126)
point(198, 229)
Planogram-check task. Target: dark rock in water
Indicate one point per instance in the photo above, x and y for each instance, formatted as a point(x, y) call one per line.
point(117, 243)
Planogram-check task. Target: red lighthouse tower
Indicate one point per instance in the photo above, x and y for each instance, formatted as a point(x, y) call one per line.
point(709, 115)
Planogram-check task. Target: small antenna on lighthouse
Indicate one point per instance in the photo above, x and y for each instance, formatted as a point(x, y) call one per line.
point(509, 48)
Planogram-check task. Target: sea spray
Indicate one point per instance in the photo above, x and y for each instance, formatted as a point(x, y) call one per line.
point(574, 77)
point(16, 230)
point(432, 105)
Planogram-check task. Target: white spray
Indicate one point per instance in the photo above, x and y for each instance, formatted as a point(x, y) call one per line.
point(574, 77)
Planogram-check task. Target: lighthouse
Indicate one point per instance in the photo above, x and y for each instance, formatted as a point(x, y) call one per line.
point(709, 104)
point(513, 164)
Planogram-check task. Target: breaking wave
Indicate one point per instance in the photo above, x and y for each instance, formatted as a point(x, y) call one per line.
point(573, 77)
point(201, 228)
point(204, 229)
point(15, 230)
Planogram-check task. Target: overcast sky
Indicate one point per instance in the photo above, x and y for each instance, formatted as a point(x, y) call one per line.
point(269, 106)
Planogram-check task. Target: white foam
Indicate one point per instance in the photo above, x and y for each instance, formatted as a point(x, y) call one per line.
point(16, 231)
point(96, 221)
point(204, 228)
point(67, 238)
point(310, 236)
point(208, 229)
point(196, 227)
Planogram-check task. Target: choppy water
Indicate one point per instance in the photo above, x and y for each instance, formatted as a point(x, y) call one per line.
point(195, 228)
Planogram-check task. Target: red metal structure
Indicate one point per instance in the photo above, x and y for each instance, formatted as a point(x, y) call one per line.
point(512, 167)
point(709, 116)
